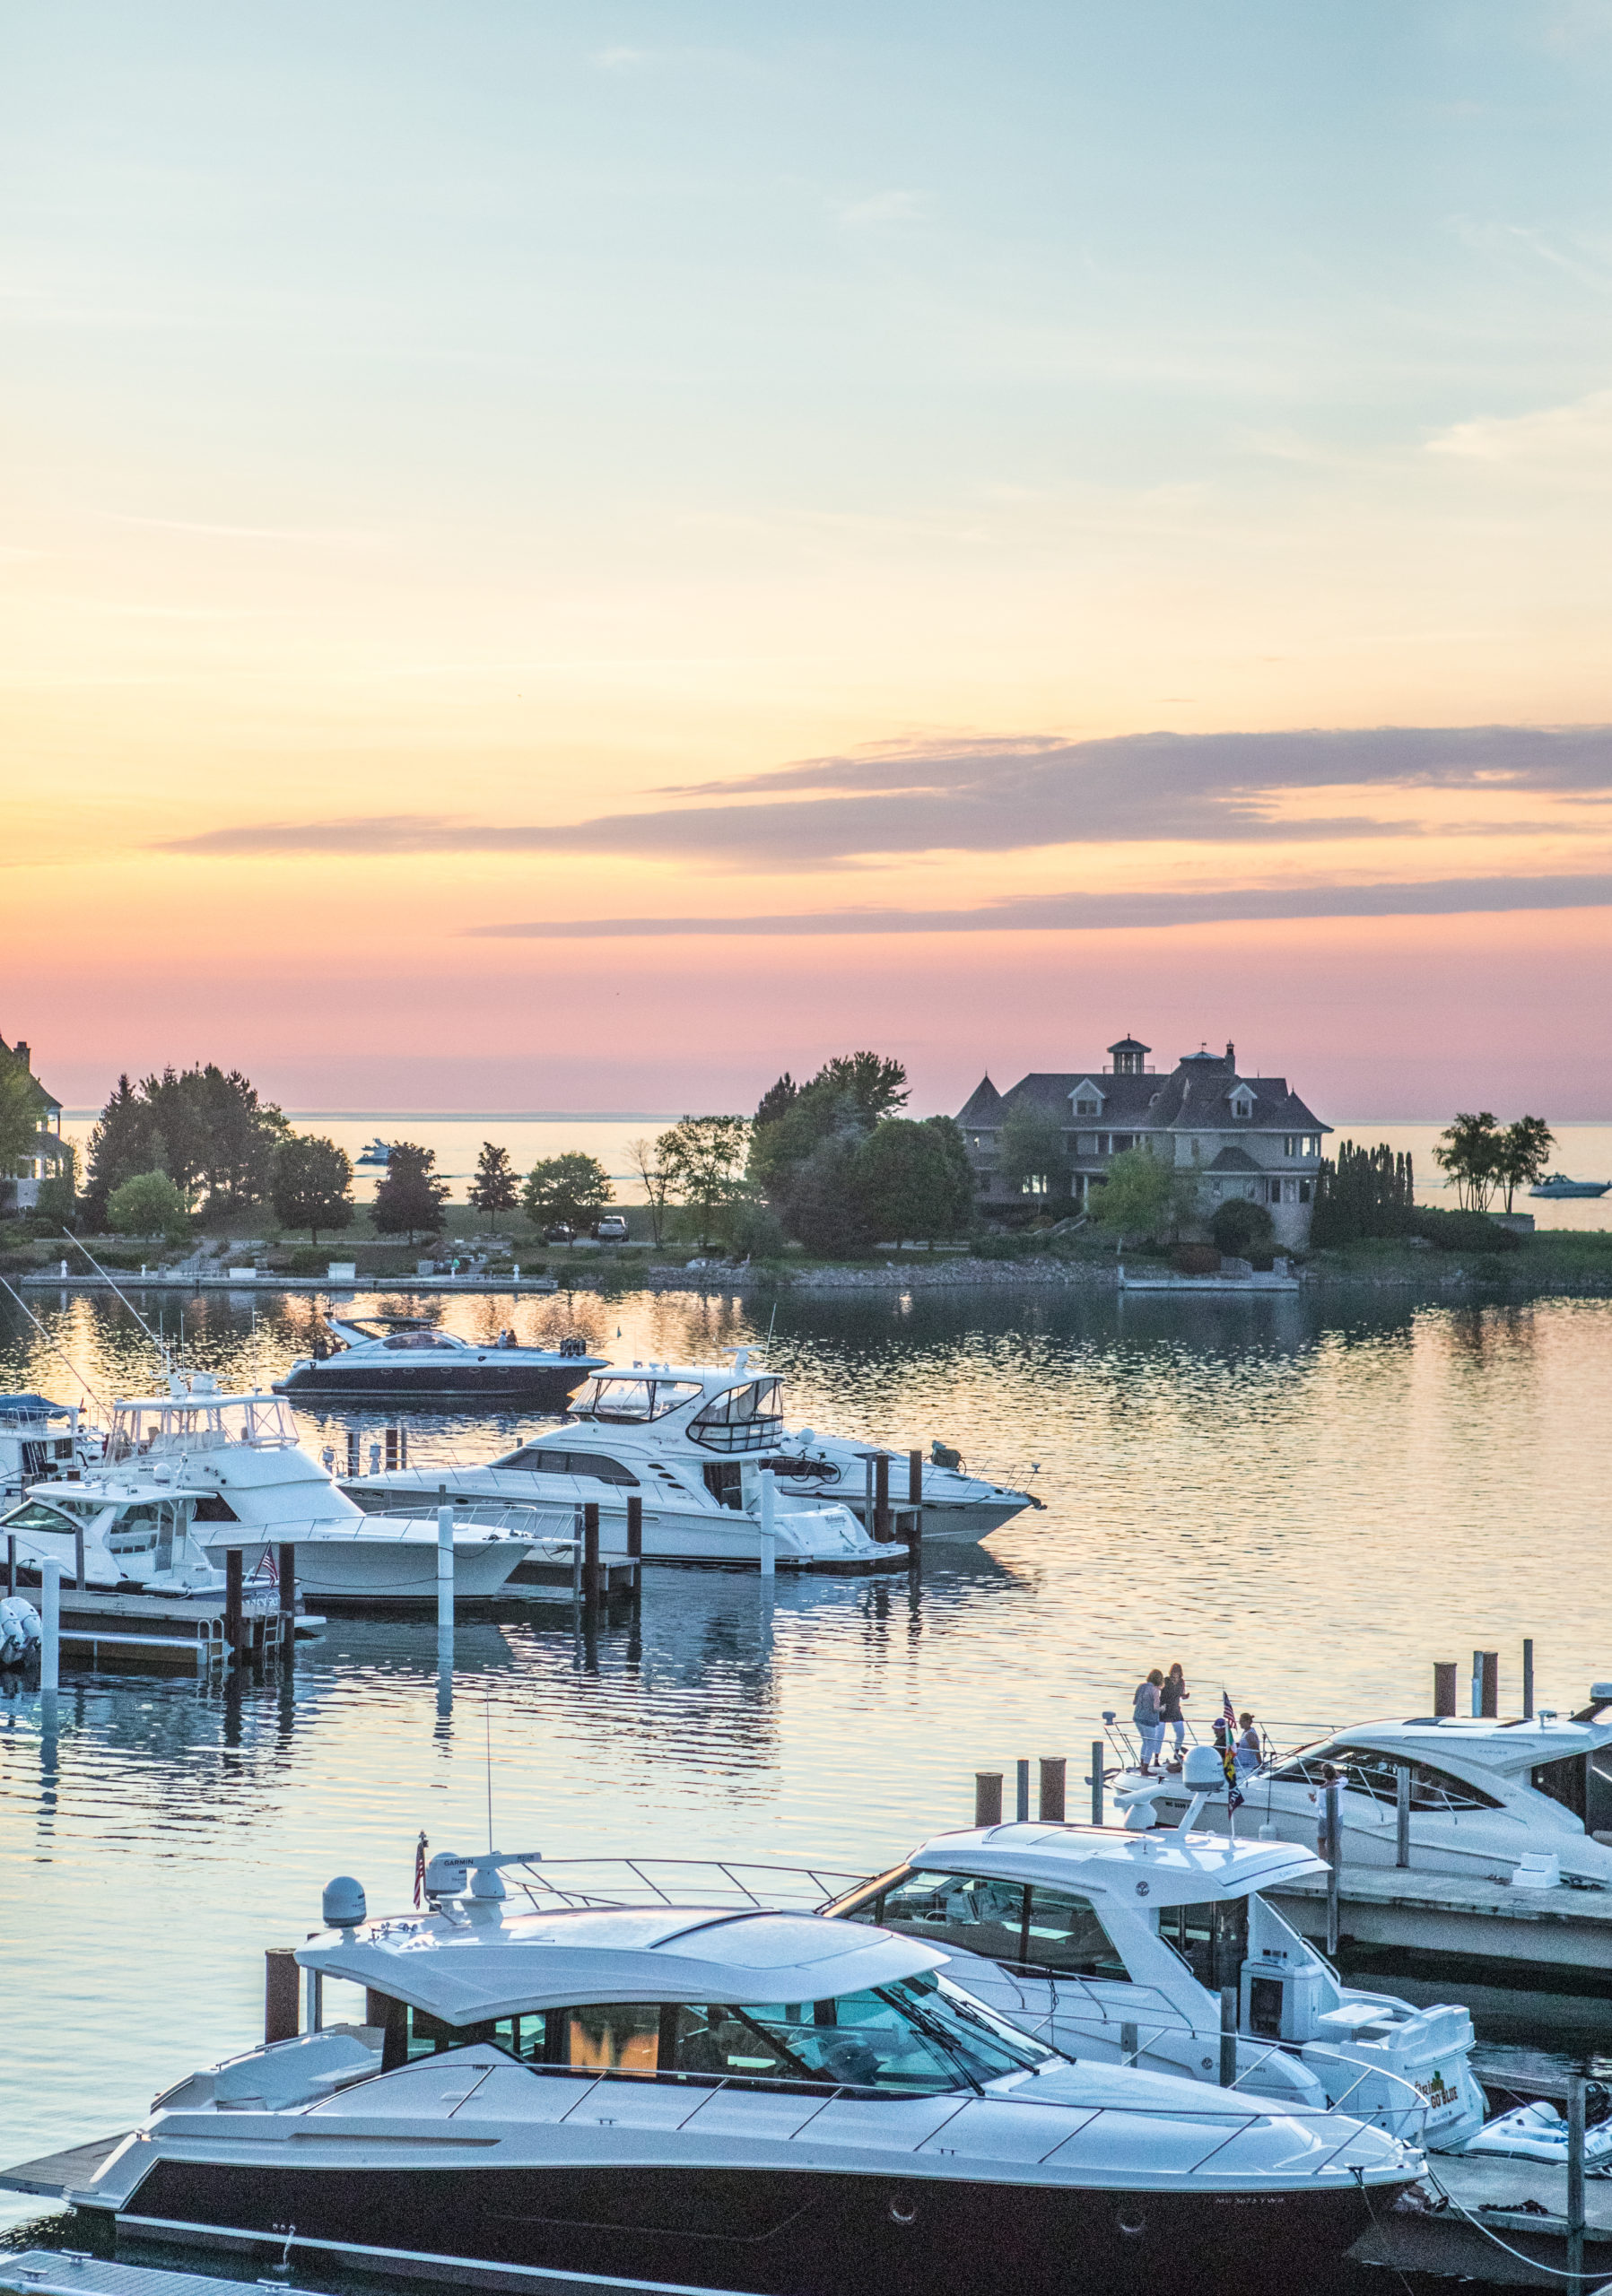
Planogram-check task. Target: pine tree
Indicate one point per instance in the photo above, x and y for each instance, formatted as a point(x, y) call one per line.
point(407, 1199)
point(493, 1189)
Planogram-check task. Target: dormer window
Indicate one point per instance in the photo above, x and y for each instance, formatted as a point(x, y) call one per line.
point(1243, 1102)
point(1088, 1098)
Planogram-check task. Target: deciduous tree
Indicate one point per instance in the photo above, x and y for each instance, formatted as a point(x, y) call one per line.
point(702, 1158)
point(1469, 1151)
point(19, 1116)
point(906, 1182)
point(407, 1200)
point(1029, 1149)
point(643, 1158)
point(148, 1204)
point(310, 1184)
point(1524, 1153)
point(573, 1187)
point(1142, 1196)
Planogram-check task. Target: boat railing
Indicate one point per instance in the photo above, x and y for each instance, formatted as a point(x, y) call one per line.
point(583, 1882)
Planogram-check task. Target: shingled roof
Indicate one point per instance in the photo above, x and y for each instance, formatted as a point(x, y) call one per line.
point(1194, 1096)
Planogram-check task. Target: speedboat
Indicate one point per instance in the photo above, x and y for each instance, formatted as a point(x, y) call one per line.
point(538, 2089)
point(37, 1438)
point(1558, 1184)
point(190, 1475)
point(1114, 1945)
point(691, 1446)
point(378, 1153)
point(1489, 1799)
point(396, 1360)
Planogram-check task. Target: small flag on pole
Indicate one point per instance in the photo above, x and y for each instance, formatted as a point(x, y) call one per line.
point(420, 1849)
point(1229, 1751)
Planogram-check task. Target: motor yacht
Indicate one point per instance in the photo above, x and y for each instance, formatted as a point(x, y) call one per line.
point(691, 1445)
point(1558, 1184)
point(533, 2088)
point(401, 1360)
point(1489, 1799)
point(189, 1475)
point(40, 1439)
point(1115, 1944)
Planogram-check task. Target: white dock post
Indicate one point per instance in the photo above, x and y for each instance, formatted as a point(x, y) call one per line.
point(768, 1532)
point(1575, 2180)
point(1334, 1862)
point(1402, 1814)
point(444, 1566)
point(51, 1620)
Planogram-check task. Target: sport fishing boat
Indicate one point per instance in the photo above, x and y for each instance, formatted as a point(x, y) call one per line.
point(1511, 1801)
point(1114, 1945)
point(1558, 1184)
point(600, 2090)
point(192, 1474)
point(400, 1359)
point(38, 1439)
point(691, 1446)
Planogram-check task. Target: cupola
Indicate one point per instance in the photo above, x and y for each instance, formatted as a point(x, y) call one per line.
point(1129, 1057)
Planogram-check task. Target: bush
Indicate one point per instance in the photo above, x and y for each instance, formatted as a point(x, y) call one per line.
point(149, 1204)
point(1240, 1227)
point(755, 1232)
point(1195, 1259)
point(1463, 1232)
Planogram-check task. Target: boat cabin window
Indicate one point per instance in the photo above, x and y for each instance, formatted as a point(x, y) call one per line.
point(725, 1481)
point(1567, 1782)
point(629, 1403)
point(1368, 1770)
point(748, 1418)
point(919, 2036)
point(1211, 1938)
point(1004, 1921)
point(195, 1423)
point(414, 1340)
point(32, 1516)
point(548, 1458)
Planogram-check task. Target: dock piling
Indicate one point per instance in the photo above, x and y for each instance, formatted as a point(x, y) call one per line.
point(1054, 1773)
point(576, 1561)
point(1489, 1682)
point(288, 1594)
point(353, 1451)
point(1096, 1781)
point(915, 1478)
point(234, 1591)
point(444, 1567)
point(1022, 1798)
point(78, 1556)
point(391, 1444)
point(988, 1797)
point(882, 1528)
point(1528, 1679)
point(635, 1528)
point(1402, 1814)
point(769, 1527)
point(1228, 2036)
point(1444, 1688)
point(1334, 1862)
point(1575, 2179)
point(281, 2018)
point(50, 1621)
point(590, 1556)
point(11, 1563)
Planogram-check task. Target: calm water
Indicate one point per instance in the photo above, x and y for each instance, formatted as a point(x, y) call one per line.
point(1307, 1504)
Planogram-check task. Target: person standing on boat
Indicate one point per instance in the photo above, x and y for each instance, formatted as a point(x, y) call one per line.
point(1248, 1753)
point(1145, 1714)
point(1172, 1694)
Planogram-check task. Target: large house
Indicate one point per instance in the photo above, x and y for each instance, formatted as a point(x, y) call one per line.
point(1242, 1135)
point(19, 1187)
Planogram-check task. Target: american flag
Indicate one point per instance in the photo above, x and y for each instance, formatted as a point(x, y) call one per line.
point(1229, 1716)
point(420, 1849)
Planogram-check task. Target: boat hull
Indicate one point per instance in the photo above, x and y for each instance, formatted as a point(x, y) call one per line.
point(381, 1570)
point(539, 1387)
point(772, 2231)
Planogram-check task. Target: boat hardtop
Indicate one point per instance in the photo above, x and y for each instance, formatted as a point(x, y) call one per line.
point(1107, 1861)
point(1479, 1742)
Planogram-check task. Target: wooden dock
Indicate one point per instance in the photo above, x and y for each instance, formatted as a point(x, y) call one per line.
point(1453, 2225)
point(116, 1633)
point(1561, 1928)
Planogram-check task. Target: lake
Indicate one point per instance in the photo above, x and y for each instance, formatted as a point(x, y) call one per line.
point(1307, 1502)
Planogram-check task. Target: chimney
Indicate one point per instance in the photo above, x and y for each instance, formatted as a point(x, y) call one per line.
point(21, 1049)
point(1231, 1055)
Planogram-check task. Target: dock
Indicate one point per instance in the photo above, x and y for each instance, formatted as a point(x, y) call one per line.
point(1521, 2203)
point(1561, 1928)
point(162, 1633)
point(1193, 1284)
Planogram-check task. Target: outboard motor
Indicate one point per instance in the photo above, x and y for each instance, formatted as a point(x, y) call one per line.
point(20, 1633)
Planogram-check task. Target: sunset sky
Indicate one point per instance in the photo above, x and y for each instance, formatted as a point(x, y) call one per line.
point(577, 556)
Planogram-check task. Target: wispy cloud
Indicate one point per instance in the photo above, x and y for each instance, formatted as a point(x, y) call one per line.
point(885, 207)
point(1100, 912)
point(1576, 438)
point(1004, 794)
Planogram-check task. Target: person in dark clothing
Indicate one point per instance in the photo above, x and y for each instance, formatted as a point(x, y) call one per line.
point(1170, 1696)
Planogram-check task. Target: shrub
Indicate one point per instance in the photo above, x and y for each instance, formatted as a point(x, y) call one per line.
point(1240, 1227)
point(1464, 1231)
point(755, 1232)
point(148, 1204)
point(1195, 1259)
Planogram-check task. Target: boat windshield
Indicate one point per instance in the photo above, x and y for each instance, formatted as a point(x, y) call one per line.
point(31, 1517)
point(618, 1401)
point(748, 1418)
point(191, 1424)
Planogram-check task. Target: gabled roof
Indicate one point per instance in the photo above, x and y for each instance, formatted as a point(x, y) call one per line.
point(47, 1102)
point(1234, 1160)
point(1194, 1097)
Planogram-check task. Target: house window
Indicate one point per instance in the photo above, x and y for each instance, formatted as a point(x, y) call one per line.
point(1088, 1144)
point(1035, 1184)
point(1290, 1146)
point(1242, 1106)
point(1086, 1106)
point(1304, 1191)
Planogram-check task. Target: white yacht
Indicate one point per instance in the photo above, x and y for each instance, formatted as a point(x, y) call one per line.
point(602, 2091)
point(690, 1445)
point(38, 1439)
point(187, 1473)
point(1113, 1945)
point(402, 1360)
point(1485, 1795)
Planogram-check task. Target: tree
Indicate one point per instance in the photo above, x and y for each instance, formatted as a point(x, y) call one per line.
point(573, 1188)
point(1240, 1226)
point(875, 1086)
point(1468, 1150)
point(1524, 1154)
point(206, 1129)
point(906, 1183)
point(1367, 1191)
point(1141, 1196)
point(493, 1189)
point(1029, 1148)
point(407, 1199)
point(310, 1184)
point(19, 1116)
point(703, 1157)
point(822, 1210)
point(777, 1101)
point(644, 1159)
point(148, 1204)
point(846, 1099)
point(57, 1204)
point(123, 1143)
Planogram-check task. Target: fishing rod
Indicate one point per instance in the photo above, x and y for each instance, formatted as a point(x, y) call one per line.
point(85, 1384)
point(159, 1343)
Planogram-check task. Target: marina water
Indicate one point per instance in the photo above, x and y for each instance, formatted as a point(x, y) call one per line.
point(1307, 1500)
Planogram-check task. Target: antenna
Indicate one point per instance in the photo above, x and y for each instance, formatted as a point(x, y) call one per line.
point(161, 1345)
point(51, 1344)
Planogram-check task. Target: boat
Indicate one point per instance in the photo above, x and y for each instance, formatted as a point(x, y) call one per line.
point(538, 2089)
point(1558, 1184)
point(188, 1475)
point(690, 1441)
point(378, 1152)
point(1114, 1945)
point(1489, 1797)
point(691, 1446)
point(39, 1437)
point(401, 1360)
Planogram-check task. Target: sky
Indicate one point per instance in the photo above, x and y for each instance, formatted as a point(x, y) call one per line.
point(583, 555)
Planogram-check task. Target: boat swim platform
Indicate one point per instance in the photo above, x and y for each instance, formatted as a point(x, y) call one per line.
point(111, 1632)
point(1561, 1928)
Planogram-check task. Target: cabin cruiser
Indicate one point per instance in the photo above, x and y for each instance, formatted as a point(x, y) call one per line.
point(404, 1359)
point(1114, 1945)
point(1558, 1184)
point(691, 1446)
point(1492, 1799)
point(192, 1474)
point(37, 1438)
point(600, 2090)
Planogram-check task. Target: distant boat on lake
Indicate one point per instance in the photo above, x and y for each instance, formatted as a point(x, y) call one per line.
point(379, 1151)
point(1558, 1184)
